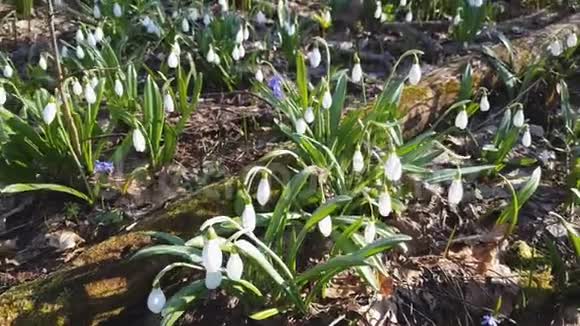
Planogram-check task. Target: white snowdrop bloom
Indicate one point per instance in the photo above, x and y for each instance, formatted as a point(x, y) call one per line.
point(99, 34)
point(118, 88)
point(217, 60)
point(415, 74)
point(527, 138)
point(8, 71)
point(290, 29)
point(42, 62)
point(326, 100)
point(455, 193)
point(461, 119)
point(242, 50)
point(385, 204)
point(185, 25)
point(168, 104)
point(77, 88)
point(518, 119)
point(558, 88)
point(80, 52)
point(236, 53)
point(249, 217)
point(207, 19)
point(301, 126)
point(370, 232)
point(94, 82)
point(224, 4)
point(383, 17)
point(154, 29)
point(117, 10)
point(49, 112)
point(91, 40)
point(90, 95)
point(556, 48)
point(571, 40)
point(213, 280)
point(314, 57)
point(64, 51)
point(259, 75)
point(211, 256)
point(263, 193)
point(475, 3)
point(357, 73)
point(403, 3)
point(378, 10)
point(211, 56)
point(146, 21)
point(409, 16)
point(156, 300)
point(246, 32)
point(235, 267)
point(97, 12)
point(457, 19)
point(174, 14)
point(309, 115)
point(79, 37)
point(325, 226)
point(139, 142)
point(326, 18)
point(172, 59)
point(261, 18)
point(393, 167)
point(2, 96)
point(193, 14)
point(484, 103)
point(358, 161)
point(240, 35)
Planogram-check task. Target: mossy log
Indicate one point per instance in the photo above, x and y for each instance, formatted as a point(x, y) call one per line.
point(101, 285)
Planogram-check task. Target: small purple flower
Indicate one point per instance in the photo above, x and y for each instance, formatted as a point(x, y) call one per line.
point(489, 320)
point(275, 84)
point(104, 167)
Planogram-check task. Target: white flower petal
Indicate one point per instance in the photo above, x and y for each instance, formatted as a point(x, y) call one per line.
point(263, 194)
point(212, 257)
point(415, 74)
point(357, 73)
point(461, 119)
point(90, 95)
point(309, 115)
point(185, 25)
point(571, 40)
point(358, 161)
point(77, 88)
point(42, 62)
point(213, 280)
point(314, 57)
point(172, 60)
point(97, 12)
point(118, 88)
point(139, 142)
point(527, 138)
point(80, 52)
point(259, 75)
point(168, 104)
point(519, 118)
point(484, 103)
point(49, 112)
point(409, 16)
point(385, 204)
point(261, 18)
point(249, 217)
point(99, 34)
point(325, 226)
point(393, 167)
point(370, 232)
point(156, 300)
point(117, 10)
point(235, 267)
point(455, 193)
point(301, 126)
point(326, 100)
point(3, 96)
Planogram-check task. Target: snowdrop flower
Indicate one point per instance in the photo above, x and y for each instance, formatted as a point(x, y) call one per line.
point(301, 126)
point(8, 71)
point(213, 280)
point(94, 82)
point(2, 95)
point(154, 29)
point(571, 40)
point(457, 19)
point(168, 104)
point(455, 193)
point(385, 204)
point(99, 35)
point(90, 95)
point(261, 18)
point(242, 50)
point(79, 37)
point(118, 88)
point(246, 32)
point(211, 56)
point(97, 12)
point(326, 100)
point(185, 25)
point(235, 267)
point(378, 10)
point(409, 16)
point(325, 226)
point(370, 232)
point(172, 59)
point(224, 5)
point(211, 255)
point(49, 112)
point(314, 57)
point(206, 19)
point(402, 3)
point(117, 10)
point(357, 73)
point(77, 88)
point(527, 138)
point(91, 40)
point(64, 51)
point(461, 119)
point(290, 29)
point(326, 18)
point(393, 168)
point(249, 217)
point(259, 75)
point(309, 115)
point(415, 74)
point(80, 52)
point(156, 300)
point(236, 53)
point(139, 141)
point(240, 36)
point(42, 62)
point(193, 14)
point(475, 3)
point(518, 119)
point(358, 161)
point(146, 21)
point(556, 48)
point(263, 194)
point(484, 103)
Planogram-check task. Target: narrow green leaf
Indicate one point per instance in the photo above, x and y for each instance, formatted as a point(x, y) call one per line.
point(190, 254)
point(265, 314)
point(24, 187)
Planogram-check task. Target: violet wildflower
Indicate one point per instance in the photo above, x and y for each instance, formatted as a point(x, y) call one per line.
point(489, 320)
point(103, 167)
point(276, 86)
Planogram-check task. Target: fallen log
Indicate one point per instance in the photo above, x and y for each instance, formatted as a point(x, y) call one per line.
point(101, 285)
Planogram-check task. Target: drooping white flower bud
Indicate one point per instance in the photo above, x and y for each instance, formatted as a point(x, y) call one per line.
point(358, 161)
point(97, 12)
point(457, 19)
point(409, 16)
point(309, 115)
point(301, 126)
point(484, 103)
point(263, 194)
point(326, 100)
point(168, 104)
point(240, 35)
point(326, 18)
point(385, 204)
point(556, 48)
point(370, 232)
point(235, 267)
point(49, 112)
point(42, 62)
point(461, 119)
point(249, 217)
point(314, 57)
point(79, 36)
point(325, 226)
point(90, 95)
point(118, 88)
point(261, 18)
point(117, 10)
point(185, 25)
point(211, 256)
point(242, 51)
point(64, 51)
point(172, 59)
point(80, 52)
point(393, 168)
point(156, 300)
point(139, 142)
point(91, 40)
point(99, 34)
point(475, 3)
point(571, 40)
point(378, 10)
point(224, 4)
point(402, 3)
point(211, 55)
point(77, 88)
point(207, 19)
point(357, 73)
point(236, 53)
point(94, 81)
point(213, 280)
point(8, 71)
point(455, 193)
point(519, 118)
point(415, 74)
point(259, 75)
point(2, 96)
point(527, 138)
point(246, 32)
point(290, 29)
